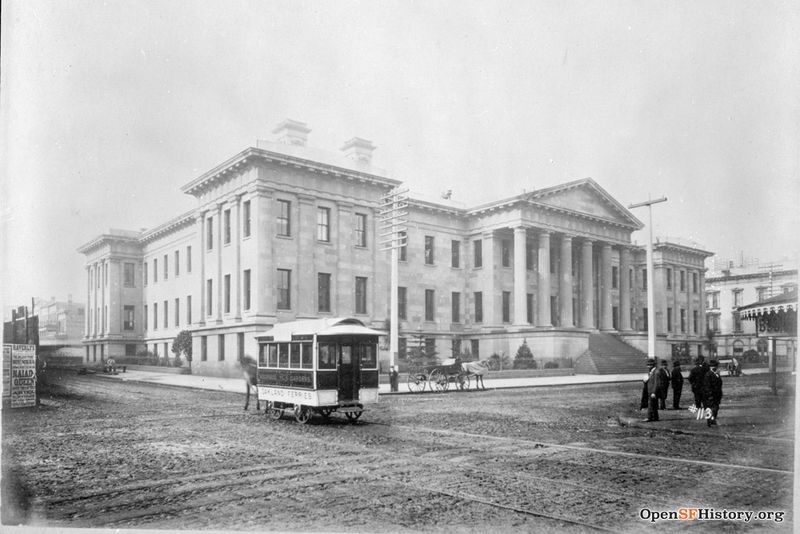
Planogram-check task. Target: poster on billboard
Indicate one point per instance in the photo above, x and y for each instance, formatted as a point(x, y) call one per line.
point(19, 375)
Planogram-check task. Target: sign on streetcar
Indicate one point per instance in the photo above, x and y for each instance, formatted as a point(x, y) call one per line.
point(19, 375)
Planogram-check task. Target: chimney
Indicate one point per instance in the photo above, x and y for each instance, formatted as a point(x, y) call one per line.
point(359, 149)
point(291, 132)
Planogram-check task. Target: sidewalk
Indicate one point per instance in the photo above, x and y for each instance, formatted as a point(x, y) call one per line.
point(236, 385)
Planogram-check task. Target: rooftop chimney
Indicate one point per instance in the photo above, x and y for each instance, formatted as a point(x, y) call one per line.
point(291, 132)
point(359, 149)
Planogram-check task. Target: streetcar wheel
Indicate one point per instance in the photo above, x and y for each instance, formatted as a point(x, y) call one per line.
point(416, 382)
point(273, 411)
point(353, 416)
point(326, 412)
point(437, 381)
point(301, 414)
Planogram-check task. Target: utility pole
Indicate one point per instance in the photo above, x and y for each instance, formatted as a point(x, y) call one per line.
point(393, 213)
point(651, 312)
point(771, 267)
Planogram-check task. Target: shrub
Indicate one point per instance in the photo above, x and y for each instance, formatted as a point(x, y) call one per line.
point(551, 365)
point(524, 358)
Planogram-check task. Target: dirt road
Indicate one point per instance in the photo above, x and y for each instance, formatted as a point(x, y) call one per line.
point(103, 453)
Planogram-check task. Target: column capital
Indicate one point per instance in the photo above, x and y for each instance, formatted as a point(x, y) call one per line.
point(567, 237)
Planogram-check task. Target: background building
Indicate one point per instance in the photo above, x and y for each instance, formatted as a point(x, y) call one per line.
point(282, 231)
point(732, 284)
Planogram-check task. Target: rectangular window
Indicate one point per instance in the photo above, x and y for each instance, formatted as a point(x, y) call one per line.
point(402, 252)
point(401, 303)
point(246, 218)
point(455, 254)
point(166, 314)
point(209, 296)
point(669, 319)
point(530, 259)
point(737, 297)
point(155, 270)
point(155, 316)
point(177, 312)
point(323, 292)
point(455, 347)
point(226, 291)
point(226, 224)
point(429, 304)
point(645, 319)
point(240, 346)
point(210, 233)
point(476, 348)
point(166, 267)
point(630, 280)
point(455, 300)
point(644, 278)
point(361, 295)
point(127, 317)
point(506, 306)
point(478, 307)
point(221, 347)
point(694, 321)
point(145, 316)
point(294, 355)
point(188, 259)
point(669, 278)
point(505, 252)
point(614, 277)
point(284, 218)
point(144, 272)
point(615, 317)
point(188, 309)
point(477, 253)
point(323, 224)
point(246, 288)
point(203, 348)
point(694, 282)
point(177, 263)
point(683, 280)
point(284, 289)
point(127, 274)
point(683, 320)
point(553, 263)
point(361, 230)
point(429, 250)
point(529, 307)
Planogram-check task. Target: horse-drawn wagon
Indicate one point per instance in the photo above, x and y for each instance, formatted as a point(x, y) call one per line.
point(439, 377)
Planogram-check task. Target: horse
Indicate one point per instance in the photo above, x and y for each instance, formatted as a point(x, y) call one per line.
point(250, 375)
point(476, 369)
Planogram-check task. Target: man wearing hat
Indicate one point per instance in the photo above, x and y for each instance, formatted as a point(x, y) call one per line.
point(650, 391)
point(712, 391)
point(676, 379)
point(696, 376)
point(663, 371)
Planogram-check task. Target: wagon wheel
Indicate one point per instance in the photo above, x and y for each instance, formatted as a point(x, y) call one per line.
point(325, 412)
point(437, 380)
point(463, 382)
point(273, 411)
point(301, 414)
point(353, 416)
point(416, 381)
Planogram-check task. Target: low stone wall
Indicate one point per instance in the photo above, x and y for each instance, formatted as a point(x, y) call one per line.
point(156, 369)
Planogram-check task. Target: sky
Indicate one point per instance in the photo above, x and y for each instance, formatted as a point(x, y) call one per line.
point(109, 107)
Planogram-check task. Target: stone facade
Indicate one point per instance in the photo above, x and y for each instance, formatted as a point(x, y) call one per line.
point(282, 232)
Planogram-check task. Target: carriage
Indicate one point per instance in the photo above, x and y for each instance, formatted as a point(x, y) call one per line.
point(319, 366)
point(440, 377)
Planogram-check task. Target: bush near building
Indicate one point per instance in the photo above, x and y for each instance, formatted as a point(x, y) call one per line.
point(524, 358)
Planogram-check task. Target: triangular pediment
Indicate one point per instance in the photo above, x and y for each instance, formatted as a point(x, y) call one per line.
point(586, 197)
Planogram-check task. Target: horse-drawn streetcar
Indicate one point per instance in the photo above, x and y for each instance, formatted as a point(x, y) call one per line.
point(318, 366)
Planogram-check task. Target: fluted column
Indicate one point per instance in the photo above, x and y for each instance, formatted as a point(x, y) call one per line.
point(587, 286)
point(520, 277)
point(544, 318)
point(103, 281)
point(88, 300)
point(220, 228)
point(624, 289)
point(565, 290)
point(238, 251)
point(606, 304)
point(201, 233)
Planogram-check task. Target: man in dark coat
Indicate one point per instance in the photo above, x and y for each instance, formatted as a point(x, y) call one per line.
point(650, 390)
point(712, 391)
point(663, 371)
point(676, 379)
point(696, 380)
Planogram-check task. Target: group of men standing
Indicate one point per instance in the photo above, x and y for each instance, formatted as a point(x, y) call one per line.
point(704, 379)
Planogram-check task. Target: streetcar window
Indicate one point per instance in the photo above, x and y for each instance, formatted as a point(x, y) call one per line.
point(262, 356)
point(295, 356)
point(347, 354)
point(368, 356)
point(307, 358)
point(272, 360)
point(283, 355)
point(327, 355)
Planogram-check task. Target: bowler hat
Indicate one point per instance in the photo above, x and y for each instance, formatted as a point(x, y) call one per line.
point(713, 363)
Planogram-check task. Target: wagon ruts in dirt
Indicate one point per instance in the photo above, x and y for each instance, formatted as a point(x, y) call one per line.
point(318, 367)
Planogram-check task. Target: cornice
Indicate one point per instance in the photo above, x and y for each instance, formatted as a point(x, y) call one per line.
point(168, 227)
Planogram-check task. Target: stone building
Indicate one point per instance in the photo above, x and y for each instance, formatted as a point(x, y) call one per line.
point(282, 231)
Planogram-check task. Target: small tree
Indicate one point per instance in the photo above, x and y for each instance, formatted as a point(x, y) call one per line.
point(498, 362)
point(183, 345)
point(524, 358)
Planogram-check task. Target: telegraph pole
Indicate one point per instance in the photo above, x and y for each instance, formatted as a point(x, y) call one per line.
point(393, 213)
point(651, 312)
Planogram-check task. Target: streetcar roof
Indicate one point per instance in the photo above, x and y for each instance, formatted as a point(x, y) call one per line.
point(334, 326)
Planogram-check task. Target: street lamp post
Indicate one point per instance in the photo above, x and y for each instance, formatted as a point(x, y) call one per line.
point(651, 312)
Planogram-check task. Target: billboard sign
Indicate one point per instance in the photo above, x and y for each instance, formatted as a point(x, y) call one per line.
point(19, 375)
